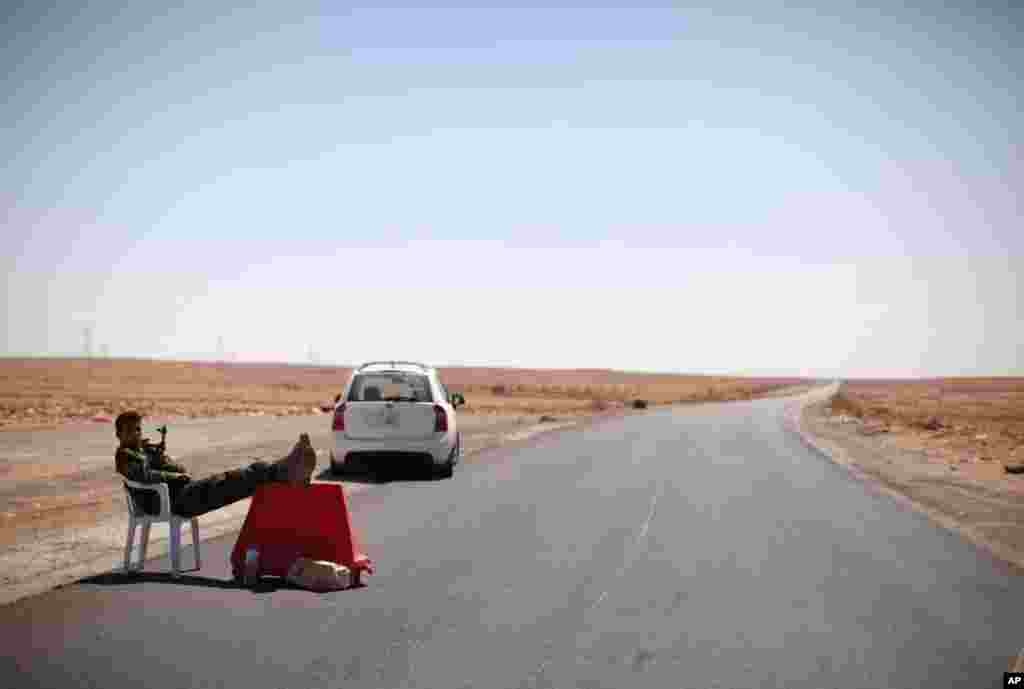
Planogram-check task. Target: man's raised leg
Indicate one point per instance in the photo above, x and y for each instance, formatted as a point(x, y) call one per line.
point(220, 490)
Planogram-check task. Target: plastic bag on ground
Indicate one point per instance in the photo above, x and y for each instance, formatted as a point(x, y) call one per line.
point(319, 575)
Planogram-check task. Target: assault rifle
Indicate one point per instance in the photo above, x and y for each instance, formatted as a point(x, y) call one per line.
point(160, 448)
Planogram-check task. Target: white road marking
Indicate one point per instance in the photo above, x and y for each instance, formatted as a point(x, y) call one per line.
point(650, 516)
point(626, 564)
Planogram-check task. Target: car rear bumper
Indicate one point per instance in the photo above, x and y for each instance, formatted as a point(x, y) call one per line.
point(438, 449)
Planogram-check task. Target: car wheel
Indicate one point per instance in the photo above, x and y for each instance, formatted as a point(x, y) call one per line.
point(448, 468)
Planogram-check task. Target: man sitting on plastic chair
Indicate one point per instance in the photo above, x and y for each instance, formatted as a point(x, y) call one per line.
point(191, 498)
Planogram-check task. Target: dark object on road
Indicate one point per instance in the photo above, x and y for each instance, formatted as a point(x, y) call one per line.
point(1014, 468)
point(547, 419)
point(639, 404)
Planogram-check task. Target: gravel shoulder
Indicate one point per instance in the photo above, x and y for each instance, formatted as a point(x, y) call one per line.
point(985, 508)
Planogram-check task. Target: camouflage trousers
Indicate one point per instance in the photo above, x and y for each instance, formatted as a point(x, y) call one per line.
point(219, 490)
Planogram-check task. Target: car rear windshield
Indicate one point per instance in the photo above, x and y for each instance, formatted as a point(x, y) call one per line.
point(391, 386)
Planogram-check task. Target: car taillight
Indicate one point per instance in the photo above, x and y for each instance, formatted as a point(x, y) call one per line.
point(339, 419)
point(440, 419)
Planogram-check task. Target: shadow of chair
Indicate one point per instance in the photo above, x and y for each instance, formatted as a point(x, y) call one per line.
point(121, 578)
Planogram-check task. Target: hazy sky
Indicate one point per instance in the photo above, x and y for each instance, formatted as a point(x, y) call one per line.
point(754, 189)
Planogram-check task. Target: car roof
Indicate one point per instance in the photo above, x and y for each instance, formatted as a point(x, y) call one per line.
point(400, 366)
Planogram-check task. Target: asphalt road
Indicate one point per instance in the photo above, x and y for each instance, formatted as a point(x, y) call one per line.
point(695, 547)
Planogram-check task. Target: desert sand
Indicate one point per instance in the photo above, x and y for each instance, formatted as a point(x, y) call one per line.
point(45, 393)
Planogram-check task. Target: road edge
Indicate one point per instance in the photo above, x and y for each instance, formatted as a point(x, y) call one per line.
point(838, 456)
point(795, 420)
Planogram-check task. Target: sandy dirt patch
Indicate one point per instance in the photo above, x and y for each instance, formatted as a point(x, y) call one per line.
point(50, 393)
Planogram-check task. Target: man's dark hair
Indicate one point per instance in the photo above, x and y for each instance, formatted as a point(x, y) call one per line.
point(125, 418)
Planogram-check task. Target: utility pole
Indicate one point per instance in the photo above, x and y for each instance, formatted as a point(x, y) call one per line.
point(87, 341)
point(87, 346)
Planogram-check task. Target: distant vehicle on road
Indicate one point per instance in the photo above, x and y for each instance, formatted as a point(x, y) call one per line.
point(396, 412)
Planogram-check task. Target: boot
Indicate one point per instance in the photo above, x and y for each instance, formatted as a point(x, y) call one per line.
point(298, 466)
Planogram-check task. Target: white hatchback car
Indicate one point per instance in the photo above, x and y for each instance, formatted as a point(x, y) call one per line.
point(393, 411)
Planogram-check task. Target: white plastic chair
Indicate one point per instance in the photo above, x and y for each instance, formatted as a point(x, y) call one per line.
point(138, 517)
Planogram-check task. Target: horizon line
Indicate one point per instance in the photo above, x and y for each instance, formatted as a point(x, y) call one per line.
point(323, 365)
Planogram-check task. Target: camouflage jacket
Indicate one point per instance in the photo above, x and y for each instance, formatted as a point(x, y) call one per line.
point(150, 467)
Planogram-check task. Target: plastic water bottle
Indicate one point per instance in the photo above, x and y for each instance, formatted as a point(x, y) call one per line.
point(252, 566)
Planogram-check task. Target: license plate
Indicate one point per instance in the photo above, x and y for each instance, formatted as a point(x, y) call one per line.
point(382, 417)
